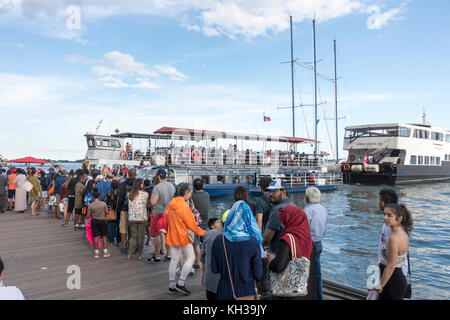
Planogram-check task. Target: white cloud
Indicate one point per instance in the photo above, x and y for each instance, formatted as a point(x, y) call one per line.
point(378, 20)
point(14, 44)
point(233, 18)
point(173, 73)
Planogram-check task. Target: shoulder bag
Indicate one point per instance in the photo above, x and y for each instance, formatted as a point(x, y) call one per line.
point(27, 186)
point(293, 281)
point(251, 297)
point(408, 293)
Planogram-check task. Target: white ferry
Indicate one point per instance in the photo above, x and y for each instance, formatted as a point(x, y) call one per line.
point(396, 153)
point(188, 154)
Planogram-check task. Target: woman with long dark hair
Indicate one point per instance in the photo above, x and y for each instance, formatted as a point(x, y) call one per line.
point(394, 252)
point(137, 217)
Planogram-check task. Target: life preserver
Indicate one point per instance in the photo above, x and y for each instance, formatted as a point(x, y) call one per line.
point(123, 155)
point(346, 167)
point(194, 157)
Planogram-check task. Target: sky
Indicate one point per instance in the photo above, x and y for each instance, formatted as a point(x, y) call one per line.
point(136, 66)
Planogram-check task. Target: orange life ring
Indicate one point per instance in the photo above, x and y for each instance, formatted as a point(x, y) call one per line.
point(123, 155)
point(346, 167)
point(199, 155)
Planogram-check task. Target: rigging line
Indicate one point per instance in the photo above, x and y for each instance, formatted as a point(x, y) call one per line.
point(326, 122)
point(301, 104)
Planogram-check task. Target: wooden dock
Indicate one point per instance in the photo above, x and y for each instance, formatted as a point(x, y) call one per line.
point(37, 252)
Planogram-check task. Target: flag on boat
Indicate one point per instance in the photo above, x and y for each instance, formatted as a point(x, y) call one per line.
point(266, 118)
point(365, 160)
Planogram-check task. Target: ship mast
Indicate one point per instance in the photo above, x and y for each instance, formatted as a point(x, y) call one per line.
point(335, 100)
point(315, 88)
point(292, 82)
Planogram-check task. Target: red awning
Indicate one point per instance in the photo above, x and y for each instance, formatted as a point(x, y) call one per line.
point(29, 160)
point(230, 135)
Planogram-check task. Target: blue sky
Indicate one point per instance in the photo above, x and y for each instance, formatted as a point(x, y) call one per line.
point(141, 65)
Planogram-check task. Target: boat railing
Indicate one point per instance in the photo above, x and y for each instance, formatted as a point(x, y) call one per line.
point(313, 179)
point(230, 157)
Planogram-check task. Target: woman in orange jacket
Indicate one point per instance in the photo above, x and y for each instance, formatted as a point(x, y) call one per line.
point(180, 221)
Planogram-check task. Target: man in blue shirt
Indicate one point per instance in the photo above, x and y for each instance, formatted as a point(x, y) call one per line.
point(103, 186)
point(58, 183)
point(318, 226)
point(279, 198)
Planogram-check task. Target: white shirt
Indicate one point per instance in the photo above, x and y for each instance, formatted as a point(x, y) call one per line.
point(10, 293)
point(386, 233)
point(318, 220)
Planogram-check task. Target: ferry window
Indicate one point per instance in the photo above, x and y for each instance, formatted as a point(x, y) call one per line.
point(437, 136)
point(404, 132)
point(447, 137)
point(438, 161)
point(420, 160)
point(432, 160)
point(114, 143)
point(421, 134)
point(427, 160)
point(413, 160)
point(98, 142)
point(91, 142)
point(106, 143)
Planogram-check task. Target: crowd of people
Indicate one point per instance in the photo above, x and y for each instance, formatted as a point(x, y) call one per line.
point(238, 253)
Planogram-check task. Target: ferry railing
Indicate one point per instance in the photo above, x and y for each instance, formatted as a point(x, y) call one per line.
point(313, 179)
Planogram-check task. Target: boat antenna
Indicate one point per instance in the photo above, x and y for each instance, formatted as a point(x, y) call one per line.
point(98, 126)
point(424, 116)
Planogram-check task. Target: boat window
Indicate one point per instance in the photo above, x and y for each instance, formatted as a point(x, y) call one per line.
point(420, 160)
point(404, 132)
point(427, 160)
point(421, 134)
point(98, 142)
point(447, 137)
point(437, 136)
point(91, 142)
point(432, 160)
point(413, 160)
point(438, 161)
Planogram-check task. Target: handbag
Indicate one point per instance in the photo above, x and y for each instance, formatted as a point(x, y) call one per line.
point(52, 189)
point(112, 214)
point(198, 218)
point(27, 186)
point(408, 292)
point(251, 297)
point(293, 281)
point(191, 236)
point(163, 222)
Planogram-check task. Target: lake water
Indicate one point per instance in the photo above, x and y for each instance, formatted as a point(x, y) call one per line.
point(354, 227)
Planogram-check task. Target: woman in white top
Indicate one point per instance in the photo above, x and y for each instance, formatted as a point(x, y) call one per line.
point(20, 204)
point(393, 281)
point(8, 292)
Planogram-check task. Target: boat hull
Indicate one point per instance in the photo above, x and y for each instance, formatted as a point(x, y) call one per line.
point(399, 174)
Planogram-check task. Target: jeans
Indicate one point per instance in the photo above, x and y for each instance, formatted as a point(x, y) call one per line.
point(318, 250)
point(113, 231)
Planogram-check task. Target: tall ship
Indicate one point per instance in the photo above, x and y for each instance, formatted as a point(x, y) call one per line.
point(396, 153)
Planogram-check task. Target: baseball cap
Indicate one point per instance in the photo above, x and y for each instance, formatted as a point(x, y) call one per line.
point(162, 173)
point(99, 177)
point(276, 184)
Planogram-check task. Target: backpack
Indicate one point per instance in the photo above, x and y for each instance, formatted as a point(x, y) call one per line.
point(128, 188)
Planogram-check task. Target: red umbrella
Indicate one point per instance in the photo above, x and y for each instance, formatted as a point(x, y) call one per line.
point(29, 160)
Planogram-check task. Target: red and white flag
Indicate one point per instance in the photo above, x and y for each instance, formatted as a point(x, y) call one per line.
point(266, 118)
point(365, 160)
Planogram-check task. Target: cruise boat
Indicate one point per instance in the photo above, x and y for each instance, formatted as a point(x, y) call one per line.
point(223, 160)
point(396, 153)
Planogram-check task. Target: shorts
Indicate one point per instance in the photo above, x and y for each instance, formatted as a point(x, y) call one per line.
point(11, 193)
point(196, 240)
point(123, 224)
point(65, 201)
point(154, 232)
point(71, 205)
point(99, 228)
point(44, 194)
point(79, 211)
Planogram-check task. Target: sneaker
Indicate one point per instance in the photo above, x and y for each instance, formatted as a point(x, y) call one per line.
point(167, 258)
point(148, 243)
point(106, 254)
point(192, 272)
point(182, 289)
point(178, 271)
point(172, 290)
point(154, 260)
point(96, 254)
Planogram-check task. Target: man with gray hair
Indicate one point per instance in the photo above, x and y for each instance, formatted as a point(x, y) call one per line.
point(318, 220)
